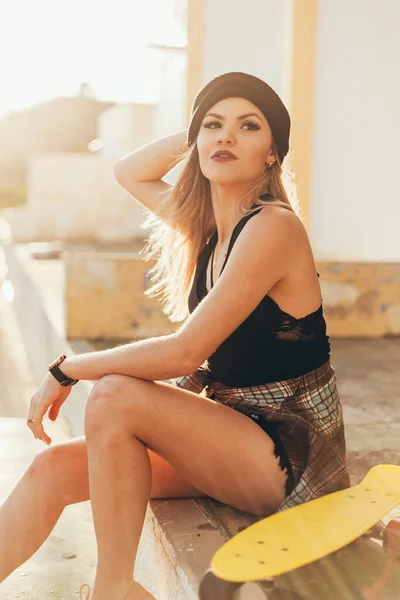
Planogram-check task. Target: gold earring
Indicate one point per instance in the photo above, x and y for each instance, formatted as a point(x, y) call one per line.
point(270, 164)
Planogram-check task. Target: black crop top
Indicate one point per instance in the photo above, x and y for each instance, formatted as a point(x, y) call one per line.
point(269, 345)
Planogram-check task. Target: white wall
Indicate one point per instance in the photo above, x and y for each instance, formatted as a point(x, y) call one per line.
point(355, 212)
point(171, 109)
point(172, 76)
point(250, 36)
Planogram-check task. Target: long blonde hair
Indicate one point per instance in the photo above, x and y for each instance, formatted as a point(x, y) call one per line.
point(176, 240)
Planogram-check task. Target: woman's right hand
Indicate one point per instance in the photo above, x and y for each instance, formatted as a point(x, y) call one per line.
point(50, 395)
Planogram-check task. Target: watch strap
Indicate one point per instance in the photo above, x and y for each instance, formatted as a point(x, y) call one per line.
point(59, 375)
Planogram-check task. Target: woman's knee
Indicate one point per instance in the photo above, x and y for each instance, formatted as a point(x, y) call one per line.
point(47, 468)
point(63, 468)
point(106, 402)
point(47, 463)
point(100, 406)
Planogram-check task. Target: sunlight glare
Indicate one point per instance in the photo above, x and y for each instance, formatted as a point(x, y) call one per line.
point(56, 46)
point(7, 291)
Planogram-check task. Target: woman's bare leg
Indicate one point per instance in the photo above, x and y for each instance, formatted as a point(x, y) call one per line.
point(120, 480)
point(185, 461)
point(57, 477)
point(27, 517)
point(33, 508)
point(124, 417)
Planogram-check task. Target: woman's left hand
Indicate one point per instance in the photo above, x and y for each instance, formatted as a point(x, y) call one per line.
point(50, 394)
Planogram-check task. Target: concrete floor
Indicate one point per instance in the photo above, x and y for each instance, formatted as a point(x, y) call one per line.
point(368, 376)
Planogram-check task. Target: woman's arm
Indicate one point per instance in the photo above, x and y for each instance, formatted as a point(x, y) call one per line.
point(153, 358)
point(152, 161)
point(140, 172)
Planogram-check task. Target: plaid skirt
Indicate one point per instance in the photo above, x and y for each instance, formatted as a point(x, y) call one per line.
point(303, 416)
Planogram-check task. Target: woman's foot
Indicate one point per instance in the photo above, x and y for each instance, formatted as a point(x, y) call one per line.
point(138, 592)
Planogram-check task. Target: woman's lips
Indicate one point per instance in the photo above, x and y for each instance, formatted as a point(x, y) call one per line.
point(223, 159)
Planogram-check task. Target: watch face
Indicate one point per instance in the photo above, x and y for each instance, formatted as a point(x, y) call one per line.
point(58, 361)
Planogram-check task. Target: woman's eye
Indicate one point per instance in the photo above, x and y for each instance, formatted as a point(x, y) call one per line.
point(253, 126)
point(210, 123)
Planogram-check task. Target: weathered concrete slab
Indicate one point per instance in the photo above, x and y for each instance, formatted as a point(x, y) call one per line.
point(104, 296)
point(361, 299)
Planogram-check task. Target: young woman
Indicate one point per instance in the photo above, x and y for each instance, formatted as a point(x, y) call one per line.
point(240, 403)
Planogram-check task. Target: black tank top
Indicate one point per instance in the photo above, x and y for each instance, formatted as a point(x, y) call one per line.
point(269, 345)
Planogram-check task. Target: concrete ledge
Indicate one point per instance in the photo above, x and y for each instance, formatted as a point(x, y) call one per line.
point(179, 535)
point(104, 296)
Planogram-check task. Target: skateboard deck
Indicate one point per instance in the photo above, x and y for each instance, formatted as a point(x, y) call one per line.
point(351, 573)
point(300, 535)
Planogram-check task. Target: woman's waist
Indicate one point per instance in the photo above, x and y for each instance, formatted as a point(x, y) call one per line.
point(241, 369)
point(320, 375)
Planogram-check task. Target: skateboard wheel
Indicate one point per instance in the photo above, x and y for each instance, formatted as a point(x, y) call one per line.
point(212, 588)
point(250, 590)
point(391, 537)
point(282, 594)
point(376, 532)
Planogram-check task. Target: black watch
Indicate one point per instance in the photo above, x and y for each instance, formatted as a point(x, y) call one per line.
point(59, 375)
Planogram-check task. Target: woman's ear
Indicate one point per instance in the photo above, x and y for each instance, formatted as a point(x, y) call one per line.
point(271, 160)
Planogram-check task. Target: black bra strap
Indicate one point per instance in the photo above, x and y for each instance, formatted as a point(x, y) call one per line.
point(236, 232)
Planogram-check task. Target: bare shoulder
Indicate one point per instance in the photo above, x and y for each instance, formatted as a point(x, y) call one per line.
point(298, 291)
point(276, 211)
point(280, 231)
point(273, 221)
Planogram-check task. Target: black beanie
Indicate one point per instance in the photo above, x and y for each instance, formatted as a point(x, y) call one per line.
point(246, 86)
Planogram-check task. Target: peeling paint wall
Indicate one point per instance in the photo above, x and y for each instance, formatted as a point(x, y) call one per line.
point(361, 299)
point(104, 297)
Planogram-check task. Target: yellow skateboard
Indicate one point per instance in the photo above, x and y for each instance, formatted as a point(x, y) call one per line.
point(306, 533)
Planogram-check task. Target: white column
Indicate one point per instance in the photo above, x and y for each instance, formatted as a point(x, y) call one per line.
point(249, 36)
point(355, 212)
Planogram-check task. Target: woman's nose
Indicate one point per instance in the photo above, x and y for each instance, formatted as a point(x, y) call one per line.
point(225, 135)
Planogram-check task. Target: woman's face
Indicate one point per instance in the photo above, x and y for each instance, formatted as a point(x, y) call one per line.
point(237, 125)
